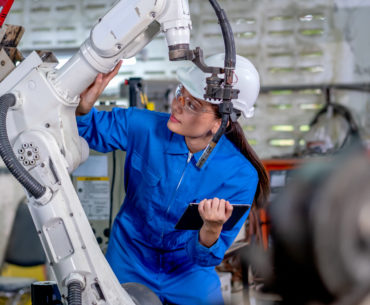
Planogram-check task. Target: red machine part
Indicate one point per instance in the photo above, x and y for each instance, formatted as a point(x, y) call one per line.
point(5, 6)
point(274, 165)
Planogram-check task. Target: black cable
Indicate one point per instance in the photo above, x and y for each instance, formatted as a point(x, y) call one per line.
point(222, 129)
point(74, 294)
point(227, 34)
point(230, 60)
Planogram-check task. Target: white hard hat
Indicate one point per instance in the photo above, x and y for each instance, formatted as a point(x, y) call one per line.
point(246, 79)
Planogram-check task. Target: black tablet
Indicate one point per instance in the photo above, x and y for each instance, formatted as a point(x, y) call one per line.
point(191, 219)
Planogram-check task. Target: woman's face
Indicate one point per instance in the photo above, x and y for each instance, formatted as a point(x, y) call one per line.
point(191, 117)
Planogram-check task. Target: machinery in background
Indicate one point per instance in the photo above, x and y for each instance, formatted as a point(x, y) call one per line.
point(280, 173)
point(332, 129)
point(5, 6)
point(10, 36)
point(319, 251)
point(149, 94)
point(307, 239)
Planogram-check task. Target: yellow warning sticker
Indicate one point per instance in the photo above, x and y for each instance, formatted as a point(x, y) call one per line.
point(92, 178)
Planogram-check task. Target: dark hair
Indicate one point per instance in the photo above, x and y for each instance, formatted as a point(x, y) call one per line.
point(235, 134)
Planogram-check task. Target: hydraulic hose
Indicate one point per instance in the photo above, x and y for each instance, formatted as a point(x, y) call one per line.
point(8, 156)
point(203, 158)
point(227, 34)
point(230, 61)
point(74, 294)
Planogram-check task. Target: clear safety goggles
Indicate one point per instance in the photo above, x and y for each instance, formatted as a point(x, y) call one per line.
point(190, 104)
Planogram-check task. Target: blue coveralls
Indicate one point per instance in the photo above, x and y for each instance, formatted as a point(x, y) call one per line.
point(160, 182)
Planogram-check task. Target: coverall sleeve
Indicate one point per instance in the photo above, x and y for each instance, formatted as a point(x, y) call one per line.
point(106, 131)
point(245, 185)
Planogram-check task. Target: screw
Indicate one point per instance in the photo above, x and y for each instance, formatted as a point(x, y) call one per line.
point(21, 158)
point(36, 157)
point(39, 232)
point(47, 125)
point(2, 62)
point(71, 214)
point(25, 145)
point(32, 162)
point(26, 162)
point(21, 151)
point(35, 149)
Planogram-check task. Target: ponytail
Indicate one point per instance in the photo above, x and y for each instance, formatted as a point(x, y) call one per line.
point(236, 135)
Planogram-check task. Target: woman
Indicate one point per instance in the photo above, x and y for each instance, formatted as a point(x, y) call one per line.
point(161, 179)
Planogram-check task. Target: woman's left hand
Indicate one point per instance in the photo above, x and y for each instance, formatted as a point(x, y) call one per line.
point(214, 212)
point(92, 93)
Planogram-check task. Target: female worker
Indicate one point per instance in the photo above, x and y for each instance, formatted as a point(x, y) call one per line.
point(161, 179)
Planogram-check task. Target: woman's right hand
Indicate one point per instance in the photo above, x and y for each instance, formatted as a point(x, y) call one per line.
point(214, 213)
point(91, 94)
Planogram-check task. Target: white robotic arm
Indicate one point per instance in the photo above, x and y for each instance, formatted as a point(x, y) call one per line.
point(125, 30)
point(39, 140)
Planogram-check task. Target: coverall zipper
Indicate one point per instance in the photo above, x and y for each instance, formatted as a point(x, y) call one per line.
point(190, 155)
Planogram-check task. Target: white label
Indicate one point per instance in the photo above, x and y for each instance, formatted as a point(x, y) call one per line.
point(94, 194)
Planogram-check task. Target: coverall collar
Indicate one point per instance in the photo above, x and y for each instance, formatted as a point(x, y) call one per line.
point(177, 146)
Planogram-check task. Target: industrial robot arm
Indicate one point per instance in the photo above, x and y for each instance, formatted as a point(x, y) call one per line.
point(126, 29)
point(40, 145)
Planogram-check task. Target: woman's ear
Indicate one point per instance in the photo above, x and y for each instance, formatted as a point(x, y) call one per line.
point(216, 126)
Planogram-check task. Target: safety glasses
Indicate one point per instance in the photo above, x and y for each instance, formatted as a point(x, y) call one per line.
point(188, 103)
